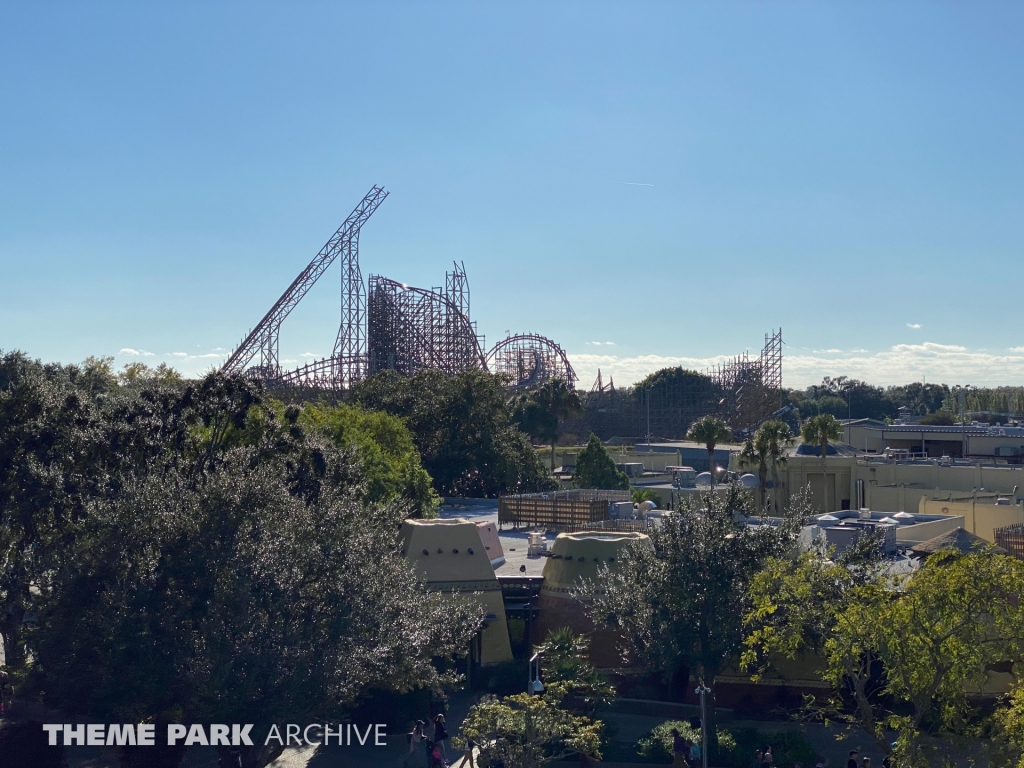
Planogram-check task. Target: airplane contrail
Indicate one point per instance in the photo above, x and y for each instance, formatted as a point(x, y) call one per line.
point(635, 183)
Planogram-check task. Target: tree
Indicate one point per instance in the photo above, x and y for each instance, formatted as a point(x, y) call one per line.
point(595, 468)
point(709, 430)
point(683, 602)
point(384, 448)
point(529, 731)
point(938, 418)
point(775, 438)
point(822, 430)
point(934, 634)
point(813, 606)
point(558, 403)
point(755, 456)
point(525, 730)
point(565, 659)
point(192, 550)
point(640, 495)
point(463, 428)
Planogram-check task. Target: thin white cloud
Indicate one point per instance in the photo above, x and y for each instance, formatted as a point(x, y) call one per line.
point(309, 354)
point(600, 343)
point(134, 352)
point(900, 364)
point(634, 183)
point(915, 326)
point(178, 354)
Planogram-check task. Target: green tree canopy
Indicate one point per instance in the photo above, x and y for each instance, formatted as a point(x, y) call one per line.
point(683, 602)
point(709, 431)
point(463, 428)
point(935, 634)
point(595, 468)
point(539, 413)
point(668, 378)
point(389, 460)
point(822, 430)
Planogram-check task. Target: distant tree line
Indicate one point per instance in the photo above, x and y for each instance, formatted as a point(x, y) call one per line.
point(842, 397)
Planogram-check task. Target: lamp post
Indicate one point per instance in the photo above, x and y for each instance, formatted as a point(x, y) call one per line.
point(533, 684)
point(702, 690)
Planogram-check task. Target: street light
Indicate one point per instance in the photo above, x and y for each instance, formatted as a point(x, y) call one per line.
point(702, 690)
point(534, 685)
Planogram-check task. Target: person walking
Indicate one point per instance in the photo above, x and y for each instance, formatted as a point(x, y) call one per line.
point(694, 754)
point(415, 737)
point(679, 750)
point(440, 734)
point(468, 758)
point(768, 759)
point(852, 761)
point(758, 758)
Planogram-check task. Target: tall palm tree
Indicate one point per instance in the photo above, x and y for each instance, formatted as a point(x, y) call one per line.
point(755, 456)
point(559, 402)
point(774, 435)
point(821, 430)
point(709, 430)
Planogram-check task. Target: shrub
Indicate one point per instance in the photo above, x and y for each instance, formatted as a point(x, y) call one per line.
point(657, 745)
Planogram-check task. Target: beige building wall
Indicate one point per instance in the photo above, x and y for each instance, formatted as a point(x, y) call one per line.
point(451, 557)
point(652, 461)
point(891, 486)
point(980, 518)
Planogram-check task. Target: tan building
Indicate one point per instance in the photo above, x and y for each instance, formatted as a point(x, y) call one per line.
point(576, 557)
point(854, 481)
point(451, 557)
point(975, 440)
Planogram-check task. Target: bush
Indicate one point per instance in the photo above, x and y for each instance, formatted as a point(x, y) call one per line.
point(737, 751)
point(788, 747)
point(657, 745)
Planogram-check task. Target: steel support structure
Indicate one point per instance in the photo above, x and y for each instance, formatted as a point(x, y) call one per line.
point(528, 360)
point(350, 348)
point(410, 329)
point(743, 392)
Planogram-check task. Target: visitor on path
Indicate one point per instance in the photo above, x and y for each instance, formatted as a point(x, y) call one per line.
point(468, 759)
point(865, 762)
point(768, 759)
point(694, 754)
point(440, 734)
point(852, 761)
point(679, 750)
point(416, 736)
point(758, 758)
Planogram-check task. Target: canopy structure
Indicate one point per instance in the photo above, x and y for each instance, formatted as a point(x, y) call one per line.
point(961, 540)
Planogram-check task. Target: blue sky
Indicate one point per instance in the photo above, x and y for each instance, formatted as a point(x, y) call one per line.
point(646, 183)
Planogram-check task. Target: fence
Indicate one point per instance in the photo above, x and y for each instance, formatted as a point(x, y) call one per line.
point(1011, 538)
point(572, 510)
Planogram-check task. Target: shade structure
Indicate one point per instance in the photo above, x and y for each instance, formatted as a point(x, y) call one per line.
point(959, 539)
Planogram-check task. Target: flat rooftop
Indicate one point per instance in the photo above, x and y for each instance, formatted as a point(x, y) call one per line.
point(514, 542)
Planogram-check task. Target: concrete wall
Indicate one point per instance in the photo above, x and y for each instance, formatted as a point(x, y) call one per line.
point(980, 518)
point(929, 529)
point(450, 557)
point(891, 486)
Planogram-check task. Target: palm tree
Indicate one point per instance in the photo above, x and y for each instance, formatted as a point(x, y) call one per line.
point(822, 430)
point(559, 402)
point(755, 455)
point(774, 435)
point(709, 430)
